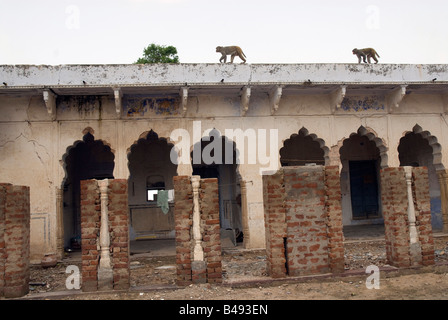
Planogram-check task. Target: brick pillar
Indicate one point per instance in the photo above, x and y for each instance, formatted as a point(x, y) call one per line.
point(118, 219)
point(119, 237)
point(423, 214)
point(443, 182)
point(275, 224)
point(334, 216)
point(303, 219)
point(14, 240)
point(90, 229)
point(394, 200)
point(183, 215)
point(209, 197)
point(210, 268)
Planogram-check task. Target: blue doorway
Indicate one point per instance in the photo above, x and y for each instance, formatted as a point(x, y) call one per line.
point(364, 189)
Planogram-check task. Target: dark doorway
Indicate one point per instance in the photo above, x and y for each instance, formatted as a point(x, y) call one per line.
point(224, 167)
point(151, 189)
point(364, 189)
point(88, 159)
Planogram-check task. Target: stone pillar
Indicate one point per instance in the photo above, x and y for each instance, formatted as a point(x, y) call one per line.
point(105, 275)
point(443, 182)
point(245, 215)
point(198, 266)
point(415, 250)
point(59, 224)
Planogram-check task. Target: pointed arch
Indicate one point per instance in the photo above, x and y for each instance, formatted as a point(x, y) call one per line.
point(432, 142)
point(151, 173)
point(304, 147)
point(216, 161)
point(85, 159)
point(372, 136)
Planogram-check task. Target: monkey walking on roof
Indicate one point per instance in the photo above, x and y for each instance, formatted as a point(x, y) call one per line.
point(233, 51)
point(366, 53)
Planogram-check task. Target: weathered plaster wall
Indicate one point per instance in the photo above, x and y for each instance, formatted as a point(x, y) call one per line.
point(32, 146)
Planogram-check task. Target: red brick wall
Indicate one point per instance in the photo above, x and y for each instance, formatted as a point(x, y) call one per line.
point(395, 205)
point(211, 232)
point(119, 237)
point(183, 215)
point(303, 215)
point(394, 201)
point(14, 240)
point(118, 228)
point(90, 229)
point(423, 213)
point(187, 270)
point(275, 224)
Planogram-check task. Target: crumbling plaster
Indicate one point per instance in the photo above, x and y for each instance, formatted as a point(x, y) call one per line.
point(32, 145)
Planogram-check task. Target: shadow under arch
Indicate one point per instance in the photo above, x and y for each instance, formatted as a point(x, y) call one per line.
point(436, 148)
point(85, 159)
point(151, 175)
point(303, 148)
point(216, 156)
point(418, 148)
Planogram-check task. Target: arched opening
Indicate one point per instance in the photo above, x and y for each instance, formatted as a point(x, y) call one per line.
point(362, 157)
point(86, 159)
point(415, 150)
point(151, 190)
point(303, 149)
point(216, 157)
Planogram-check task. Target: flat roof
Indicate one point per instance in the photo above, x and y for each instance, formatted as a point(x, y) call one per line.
point(208, 78)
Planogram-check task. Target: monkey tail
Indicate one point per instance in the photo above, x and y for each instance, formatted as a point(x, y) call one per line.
point(243, 54)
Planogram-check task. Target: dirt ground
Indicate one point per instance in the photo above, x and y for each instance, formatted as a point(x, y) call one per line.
point(245, 278)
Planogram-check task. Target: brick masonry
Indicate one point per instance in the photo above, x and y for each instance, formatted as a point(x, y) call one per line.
point(118, 228)
point(209, 270)
point(211, 232)
point(394, 201)
point(14, 240)
point(303, 220)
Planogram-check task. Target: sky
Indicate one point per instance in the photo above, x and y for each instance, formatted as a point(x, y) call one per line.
point(54, 32)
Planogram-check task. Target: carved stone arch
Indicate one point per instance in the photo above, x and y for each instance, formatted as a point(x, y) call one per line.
point(433, 143)
point(312, 140)
point(379, 143)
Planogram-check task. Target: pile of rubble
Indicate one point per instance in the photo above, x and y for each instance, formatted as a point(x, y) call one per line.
point(238, 265)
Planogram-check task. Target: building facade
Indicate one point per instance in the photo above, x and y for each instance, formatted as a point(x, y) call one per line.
point(60, 125)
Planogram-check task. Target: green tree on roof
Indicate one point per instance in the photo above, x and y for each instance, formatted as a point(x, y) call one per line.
point(158, 54)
